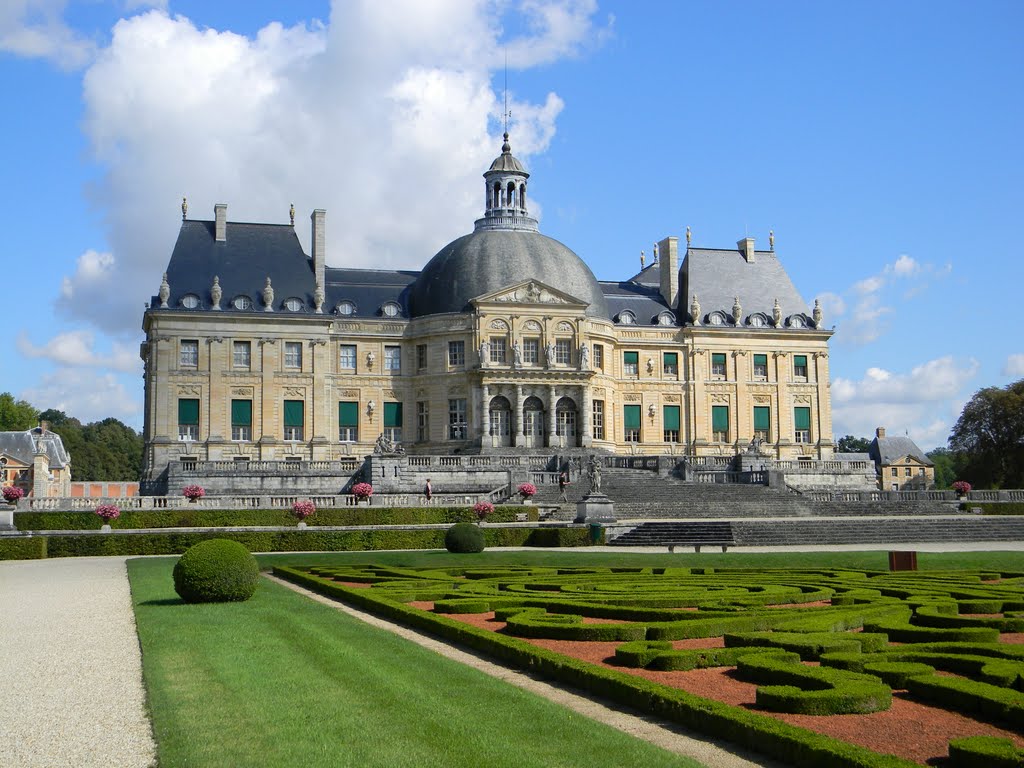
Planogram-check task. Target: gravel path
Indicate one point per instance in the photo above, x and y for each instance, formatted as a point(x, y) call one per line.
point(672, 738)
point(71, 689)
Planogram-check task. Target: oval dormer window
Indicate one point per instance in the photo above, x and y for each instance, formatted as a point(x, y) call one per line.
point(242, 303)
point(716, 318)
point(190, 301)
point(757, 321)
point(293, 304)
point(346, 308)
point(627, 318)
point(796, 321)
point(666, 318)
point(390, 309)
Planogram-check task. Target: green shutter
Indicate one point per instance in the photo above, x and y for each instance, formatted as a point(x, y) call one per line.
point(761, 360)
point(631, 415)
point(720, 418)
point(392, 414)
point(631, 357)
point(670, 359)
point(241, 413)
point(762, 418)
point(802, 418)
point(670, 415)
point(293, 413)
point(348, 414)
point(188, 411)
point(718, 358)
point(800, 361)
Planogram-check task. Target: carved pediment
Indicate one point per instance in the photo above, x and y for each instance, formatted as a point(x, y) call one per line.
point(529, 292)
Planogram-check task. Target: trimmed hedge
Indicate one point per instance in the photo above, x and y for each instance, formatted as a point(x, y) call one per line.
point(216, 571)
point(464, 537)
point(984, 752)
point(982, 700)
point(22, 547)
point(1008, 508)
point(219, 518)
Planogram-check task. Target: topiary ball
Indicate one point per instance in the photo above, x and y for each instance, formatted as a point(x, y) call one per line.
point(216, 571)
point(464, 537)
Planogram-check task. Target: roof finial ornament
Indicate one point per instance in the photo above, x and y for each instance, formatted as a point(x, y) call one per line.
point(641, 259)
point(165, 292)
point(737, 311)
point(689, 236)
point(771, 239)
point(215, 292)
point(268, 297)
point(818, 314)
point(777, 314)
point(318, 298)
point(184, 208)
point(291, 213)
point(654, 253)
point(695, 310)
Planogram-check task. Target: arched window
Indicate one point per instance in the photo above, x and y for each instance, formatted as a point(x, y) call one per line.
point(497, 195)
point(626, 317)
point(511, 200)
point(522, 197)
point(500, 412)
point(533, 422)
point(565, 422)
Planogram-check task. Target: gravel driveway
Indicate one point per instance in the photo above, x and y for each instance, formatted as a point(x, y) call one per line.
point(71, 689)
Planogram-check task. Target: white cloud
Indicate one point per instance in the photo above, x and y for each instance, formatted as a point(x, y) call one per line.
point(869, 285)
point(77, 349)
point(36, 29)
point(832, 304)
point(86, 395)
point(904, 266)
point(385, 116)
point(1014, 365)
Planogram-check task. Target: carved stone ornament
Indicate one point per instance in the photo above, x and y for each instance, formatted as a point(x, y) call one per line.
point(802, 399)
point(818, 314)
point(165, 292)
point(242, 391)
point(764, 399)
point(650, 365)
point(370, 359)
point(777, 314)
point(190, 389)
point(295, 391)
point(268, 297)
point(499, 325)
point(565, 327)
point(390, 394)
point(694, 305)
point(531, 325)
point(216, 293)
point(318, 299)
point(632, 397)
point(719, 398)
point(349, 393)
point(671, 398)
point(737, 311)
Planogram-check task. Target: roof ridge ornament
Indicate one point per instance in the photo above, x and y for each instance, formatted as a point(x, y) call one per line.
point(216, 293)
point(291, 213)
point(165, 292)
point(268, 296)
point(777, 314)
point(771, 239)
point(695, 307)
point(689, 236)
point(184, 208)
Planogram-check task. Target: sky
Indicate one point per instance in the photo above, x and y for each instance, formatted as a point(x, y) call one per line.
point(880, 142)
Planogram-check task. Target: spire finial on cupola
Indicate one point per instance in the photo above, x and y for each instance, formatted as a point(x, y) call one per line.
point(506, 148)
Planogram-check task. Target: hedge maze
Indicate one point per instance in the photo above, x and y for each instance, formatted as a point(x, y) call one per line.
point(814, 642)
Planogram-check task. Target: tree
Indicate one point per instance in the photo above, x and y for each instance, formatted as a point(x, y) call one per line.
point(947, 467)
point(851, 444)
point(100, 450)
point(16, 415)
point(989, 435)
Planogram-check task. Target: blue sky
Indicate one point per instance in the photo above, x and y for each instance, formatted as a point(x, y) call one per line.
point(880, 141)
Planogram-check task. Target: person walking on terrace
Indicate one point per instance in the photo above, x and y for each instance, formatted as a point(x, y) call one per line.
point(563, 484)
point(428, 491)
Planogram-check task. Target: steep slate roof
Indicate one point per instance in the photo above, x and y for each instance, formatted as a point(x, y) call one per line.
point(718, 276)
point(22, 446)
point(368, 289)
point(886, 450)
point(644, 301)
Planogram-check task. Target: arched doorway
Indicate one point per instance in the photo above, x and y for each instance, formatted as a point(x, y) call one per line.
point(533, 422)
point(501, 422)
point(565, 422)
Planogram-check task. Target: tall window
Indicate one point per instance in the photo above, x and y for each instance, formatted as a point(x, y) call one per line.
point(800, 367)
point(670, 423)
point(760, 366)
point(241, 420)
point(393, 359)
point(457, 419)
point(631, 423)
point(293, 355)
point(456, 354)
point(422, 421)
point(762, 422)
point(718, 365)
point(531, 351)
point(599, 357)
point(598, 415)
point(241, 354)
point(563, 351)
point(189, 357)
point(802, 424)
point(720, 423)
point(188, 419)
point(393, 422)
point(294, 419)
point(670, 364)
point(498, 350)
point(421, 357)
point(347, 357)
point(348, 422)
point(631, 364)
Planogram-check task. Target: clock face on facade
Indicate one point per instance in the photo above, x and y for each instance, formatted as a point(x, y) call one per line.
point(190, 301)
point(241, 302)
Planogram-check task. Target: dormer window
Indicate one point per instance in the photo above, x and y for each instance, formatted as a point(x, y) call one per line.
point(242, 303)
point(717, 318)
point(666, 318)
point(626, 317)
point(757, 321)
point(346, 308)
point(390, 309)
point(797, 321)
point(293, 304)
point(190, 301)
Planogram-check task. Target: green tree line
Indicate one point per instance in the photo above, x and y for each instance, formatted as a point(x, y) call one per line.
point(99, 450)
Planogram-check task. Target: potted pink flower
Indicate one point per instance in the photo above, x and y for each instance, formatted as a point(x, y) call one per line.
point(12, 493)
point(962, 488)
point(193, 492)
point(362, 492)
point(527, 491)
point(107, 512)
point(303, 509)
point(483, 509)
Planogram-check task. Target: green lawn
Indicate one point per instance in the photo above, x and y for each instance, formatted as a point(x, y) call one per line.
point(283, 681)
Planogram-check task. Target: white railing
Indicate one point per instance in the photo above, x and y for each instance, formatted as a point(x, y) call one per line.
point(338, 466)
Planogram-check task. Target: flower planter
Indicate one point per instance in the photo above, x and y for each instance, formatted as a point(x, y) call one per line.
point(301, 524)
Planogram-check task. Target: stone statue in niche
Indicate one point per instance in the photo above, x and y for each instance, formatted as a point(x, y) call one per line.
point(584, 357)
point(517, 354)
point(485, 353)
point(549, 353)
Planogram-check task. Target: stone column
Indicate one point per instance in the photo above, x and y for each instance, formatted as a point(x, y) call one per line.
point(485, 426)
point(520, 434)
point(585, 418)
point(552, 418)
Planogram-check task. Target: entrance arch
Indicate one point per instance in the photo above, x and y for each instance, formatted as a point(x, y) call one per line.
point(565, 422)
point(500, 410)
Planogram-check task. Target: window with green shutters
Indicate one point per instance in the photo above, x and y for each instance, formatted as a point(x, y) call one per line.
point(802, 424)
point(631, 422)
point(718, 365)
point(188, 419)
point(631, 364)
point(670, 363)
point(348, 421)
point(241, 420)
point(800, 367)
point(294, 419)
point(393, 422)
point(720, 423)
point(670, 423)
point(762, 422)
point(760, 366)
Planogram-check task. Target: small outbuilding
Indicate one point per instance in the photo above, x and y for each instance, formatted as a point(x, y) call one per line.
point(901, 465)
point(36, 461)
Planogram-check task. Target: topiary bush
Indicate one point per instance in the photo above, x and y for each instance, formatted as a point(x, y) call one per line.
point(464, 537)
point(216, 571)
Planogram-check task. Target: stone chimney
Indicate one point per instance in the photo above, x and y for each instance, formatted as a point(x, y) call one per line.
point(318, 244)
point(220, 213)
point(44, 426)
point(668, 256)
point(879, 431)
point(746, 248)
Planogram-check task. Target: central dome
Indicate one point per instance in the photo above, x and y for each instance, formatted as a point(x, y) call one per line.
point(487, 260)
